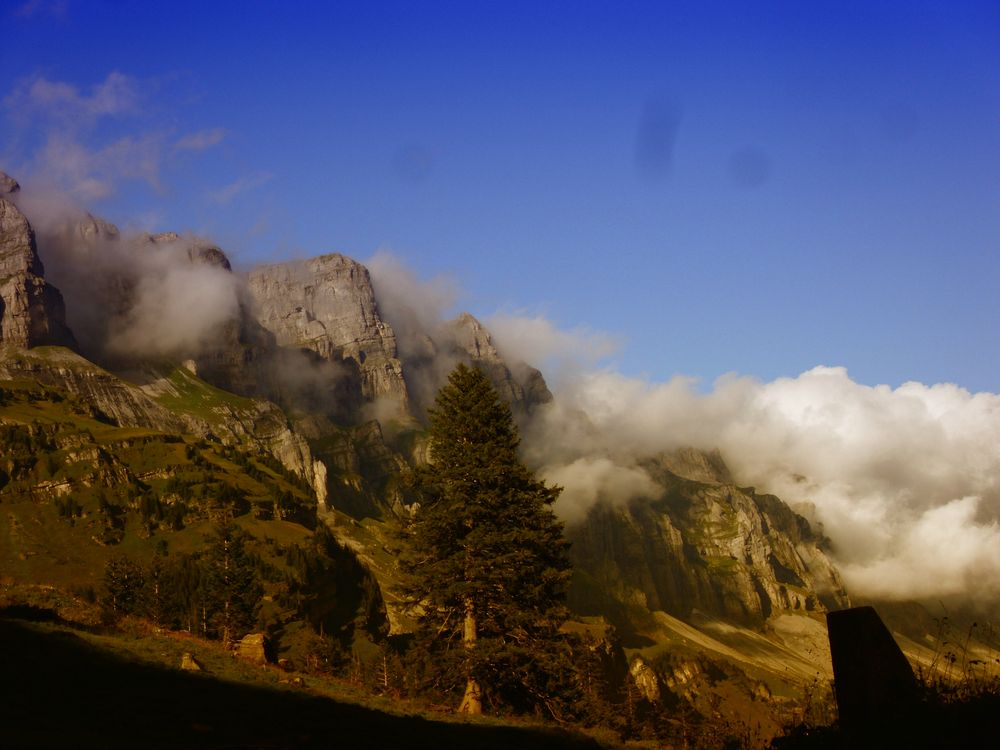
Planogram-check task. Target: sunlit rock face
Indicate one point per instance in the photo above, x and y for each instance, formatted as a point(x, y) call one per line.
point(327, 305)
point(520, 385)
point(703, 546)
point(32, 312)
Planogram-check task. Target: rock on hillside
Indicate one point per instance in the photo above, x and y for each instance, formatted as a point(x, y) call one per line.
point(32, 312)
point(327, 305)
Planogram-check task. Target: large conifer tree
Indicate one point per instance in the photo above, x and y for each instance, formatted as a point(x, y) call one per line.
point(487, 559)
point(231, 585)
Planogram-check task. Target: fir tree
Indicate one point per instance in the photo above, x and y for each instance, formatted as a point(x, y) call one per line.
point(232, 588)
point(123, 583)
point(486, 556)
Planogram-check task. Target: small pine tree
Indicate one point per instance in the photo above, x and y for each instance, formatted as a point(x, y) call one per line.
point(486, 557)
point(123, 584)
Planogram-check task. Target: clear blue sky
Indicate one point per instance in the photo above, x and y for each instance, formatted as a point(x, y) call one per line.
point(753, 187)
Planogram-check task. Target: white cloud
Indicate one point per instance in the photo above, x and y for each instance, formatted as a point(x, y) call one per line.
point(70, 138)
point(586, 481)
point(39, 97)
point(201, 140)
point(90, 175)
point(59, 127)
point(905, 481)
point(179, 307)
point(244, 184)
point(534, 339)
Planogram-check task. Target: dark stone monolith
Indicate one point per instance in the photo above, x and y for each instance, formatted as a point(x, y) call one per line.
point(874, 682)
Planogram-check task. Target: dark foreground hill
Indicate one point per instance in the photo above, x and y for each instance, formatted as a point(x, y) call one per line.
point(62, 690)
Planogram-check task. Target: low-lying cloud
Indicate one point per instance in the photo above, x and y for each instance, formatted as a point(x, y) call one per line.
point(418, 311)
point(904, 481)
point(178, 308)
point(557, 352)
point(127, 295)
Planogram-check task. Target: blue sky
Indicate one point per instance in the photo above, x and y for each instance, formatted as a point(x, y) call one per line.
point(750, 187)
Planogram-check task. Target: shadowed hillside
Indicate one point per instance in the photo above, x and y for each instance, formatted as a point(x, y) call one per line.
point(61, 691)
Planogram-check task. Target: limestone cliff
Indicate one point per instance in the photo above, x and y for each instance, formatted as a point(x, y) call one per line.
point(704, 546)
point(521, 385)
point(32, 312)
point(431, 356)
point(306, 359)
point(326, 305)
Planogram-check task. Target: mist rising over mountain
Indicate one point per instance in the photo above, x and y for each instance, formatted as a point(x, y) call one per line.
point(902, 480)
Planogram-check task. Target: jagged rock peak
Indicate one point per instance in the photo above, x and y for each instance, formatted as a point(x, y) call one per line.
point(519, 384)
point(8, 185)
point(327, 305)
point(475, 339)
point(32, 312)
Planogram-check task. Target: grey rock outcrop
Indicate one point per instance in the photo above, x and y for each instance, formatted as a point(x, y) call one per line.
point(699, 466)
point(364, 478)
point(326, 305)
point(429, 358)
point(83, 260)
point(519, 384)
point(90, 228)
point(645, 679)
point(32, 312)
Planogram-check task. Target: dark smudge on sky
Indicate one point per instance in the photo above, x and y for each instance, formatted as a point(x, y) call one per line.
point(656, 138)
point(749, 167)
point(413, 162)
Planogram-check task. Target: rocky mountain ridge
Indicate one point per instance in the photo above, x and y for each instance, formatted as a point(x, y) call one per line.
point(304, 368)
point(701, 546)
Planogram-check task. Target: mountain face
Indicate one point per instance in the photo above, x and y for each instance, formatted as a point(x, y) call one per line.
point(326, 305)
point(517, 383)
point(704, 545)
point(303, 380)
point(31, 311)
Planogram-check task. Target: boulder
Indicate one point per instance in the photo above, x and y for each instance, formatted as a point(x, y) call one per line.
point(190, 664)
point(253, 648)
